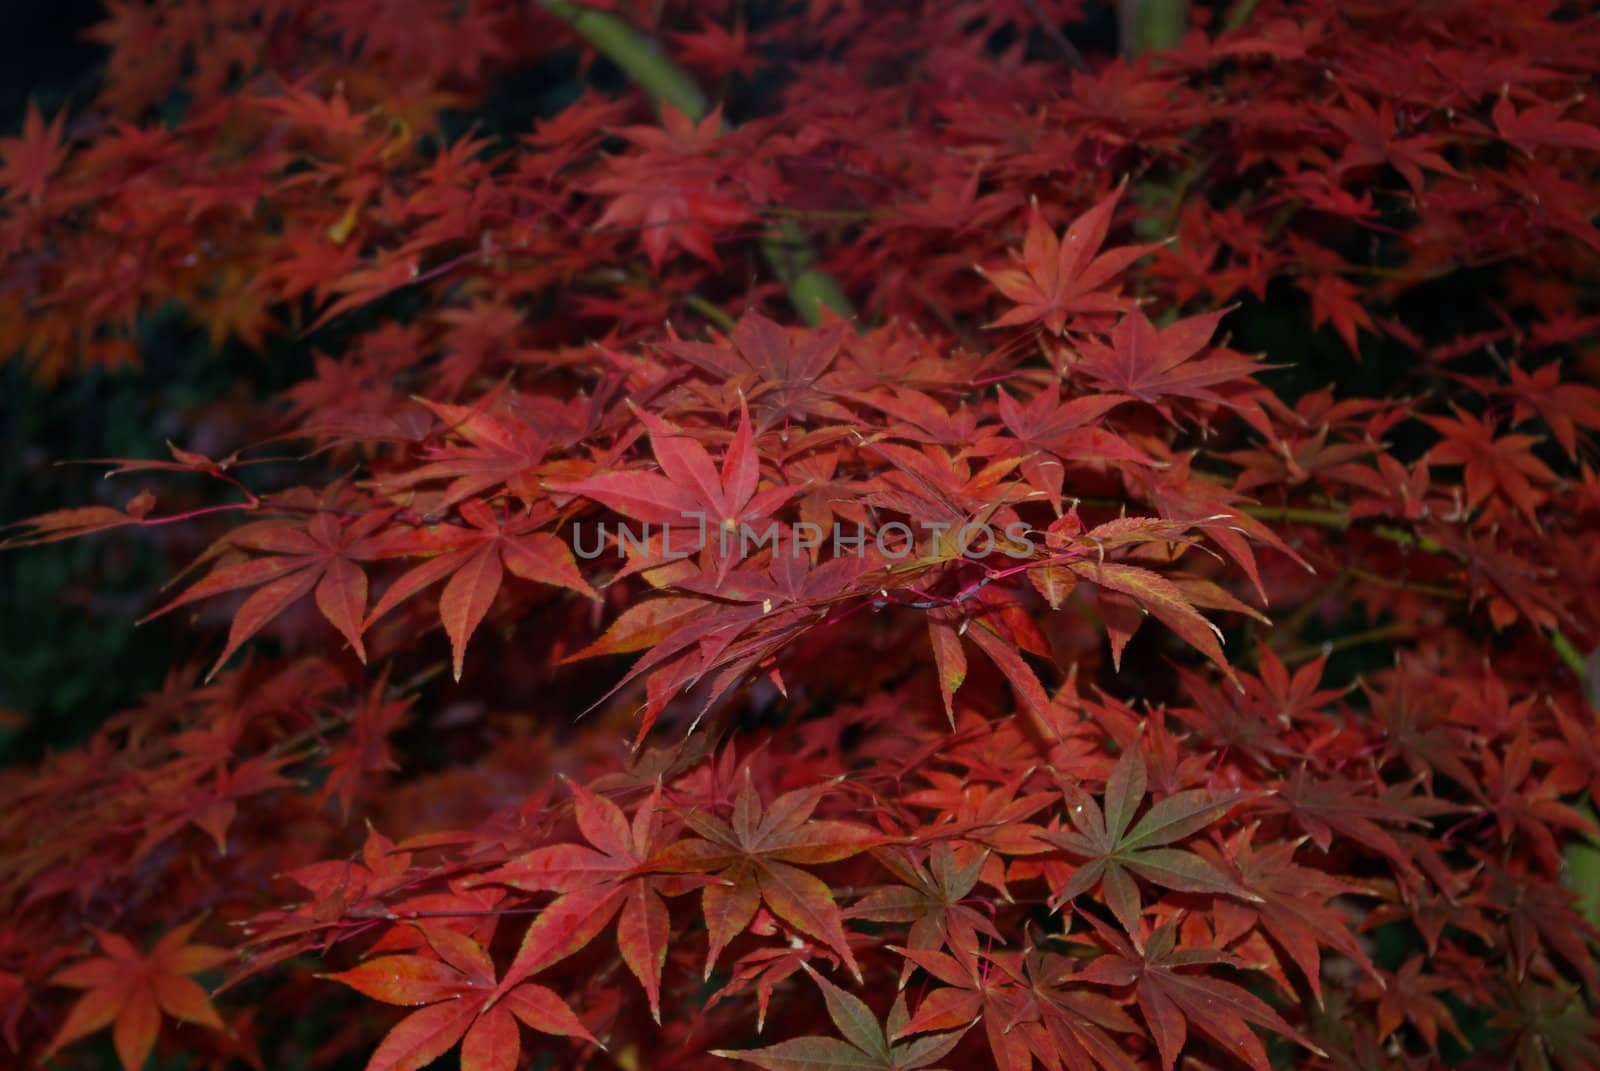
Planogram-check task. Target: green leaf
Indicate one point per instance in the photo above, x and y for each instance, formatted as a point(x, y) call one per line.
point(1114, 854)
point(867, 1047)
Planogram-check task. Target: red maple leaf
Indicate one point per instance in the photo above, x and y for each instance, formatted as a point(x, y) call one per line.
point(319, 557)
point(1290, 906)
point(1565, 406)
point(463, 1004)
point(33, 157)
point(691, 494)
point(1505, 464)
point(130, 992)
point(1372, 139)
point(672, 191)
point(1541, 124)
point(1152, 363)
point(1171, 998)
point(476, 558)
point(757, 858)
point(614, 875)
point(976, 988)
point(1062, 279)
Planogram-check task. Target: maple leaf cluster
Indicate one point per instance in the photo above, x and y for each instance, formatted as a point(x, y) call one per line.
point(785, 577)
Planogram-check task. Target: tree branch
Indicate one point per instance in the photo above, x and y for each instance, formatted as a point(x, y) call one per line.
point(1064, 44)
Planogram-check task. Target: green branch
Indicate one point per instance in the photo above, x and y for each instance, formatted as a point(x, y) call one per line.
point(1240, 14)
point(787, 249)
point(1153, 25)
point(793, 260)
point(1582, 862)
point(1569, 654)
point(640, 58)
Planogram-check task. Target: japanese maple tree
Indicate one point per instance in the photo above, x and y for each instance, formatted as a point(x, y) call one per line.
point(853, 535)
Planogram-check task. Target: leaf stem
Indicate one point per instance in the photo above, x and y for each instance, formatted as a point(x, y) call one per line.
point(1401, 584)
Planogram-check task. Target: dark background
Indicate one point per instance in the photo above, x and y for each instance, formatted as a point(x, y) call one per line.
point(69, 654)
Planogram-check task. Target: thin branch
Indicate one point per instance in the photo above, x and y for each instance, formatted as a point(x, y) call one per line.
point(1063, 44)
point(1435, 590)
point(1382, 633)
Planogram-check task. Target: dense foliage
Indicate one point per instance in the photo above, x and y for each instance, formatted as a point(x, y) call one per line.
point(782, 575)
